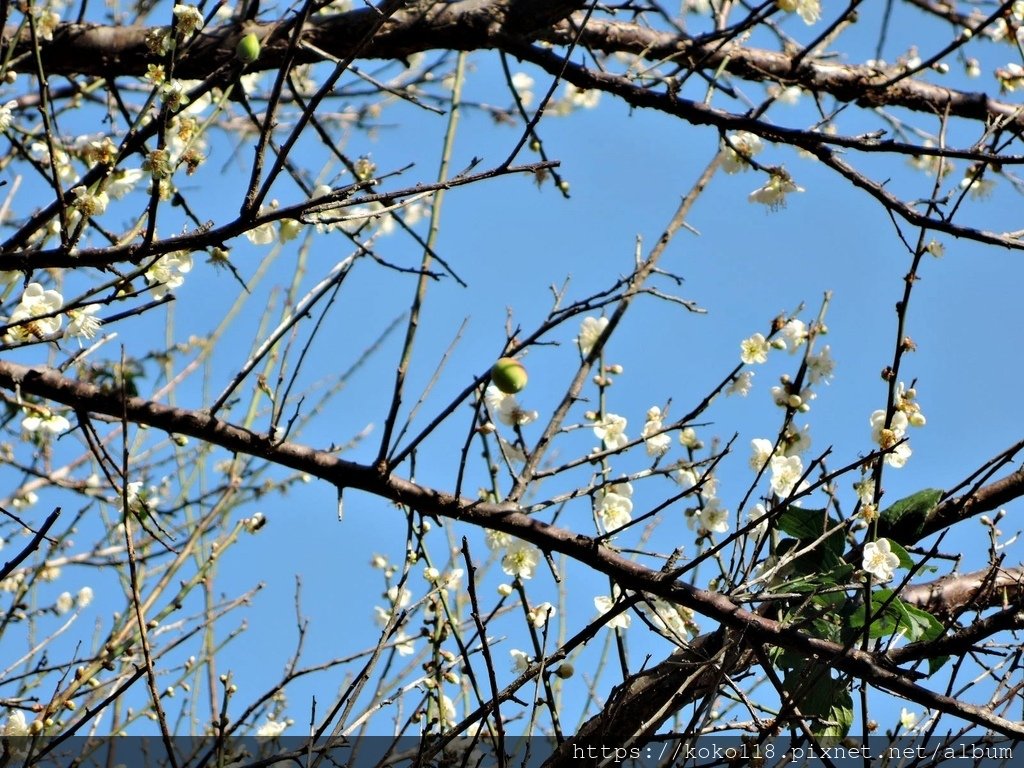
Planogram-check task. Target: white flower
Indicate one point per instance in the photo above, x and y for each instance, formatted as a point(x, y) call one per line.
point(738, 149)
point(520, 559)
point(741, 384)
point(123, 181)
point(581, 99)
point(506, 408)
point(759, 516)
point(45, 421)
point(168, 272)
point(189, 18)
point(676, 622)
point(714, 517)
point(262, 235)
point(84, 597)
point(761, 451)
point(623, 489)
point(16, 725)
point(794, 333)
point(36, 302)
point(905, 401)
point(64, 603)
point(614, 511)
point(81, 322)
point(522, 82)
point(399, 597)
point(797, 441)
point(773, 193)
point(809, 10)
point(40, 151)
point(590, 330)
point(612, 431)
point(754, 349)
point(520, 660)
point(908, 719)
point(289, 229)
point(140, 502)
point(7, 115)
point(540, 615)
point(604, 603)
point(687, 477)
point(404, 644)
point(23, 500)
point(496, 539)
point(790, 95)
point(879, 560)
point(888, 437)
point(657, 444)
point(688, 437)
point(865, 489)
point(1010, 77)
point(47, 24)
point(786, 473)
point(821, 367)
point(271, 729)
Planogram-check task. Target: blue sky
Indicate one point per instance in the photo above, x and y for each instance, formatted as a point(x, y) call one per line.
point(510, 241)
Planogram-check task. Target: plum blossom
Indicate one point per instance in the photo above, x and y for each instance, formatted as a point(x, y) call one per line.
point(821, 367)
point(773, 193)
point(506, 409)
point(590, 331)
point(15, 725)
point(541, 614)
point(754, 349)
point(81, 323)
point(520, 560)
point(738, 149)
point(761, 451)
point(786, 473)
point(28, 319)
point(879, 560)
point(271, 729)
point(189, 19)
point(522, 83)
point(741, 384)
point(808, 10)
point(168, 273)
point(657, 442)
point(45, 421)
point(604, 603)
point(888, 438)
point(712, 517)
point(520, 660)
point(794, 333)
point(614, 510)
point(612, 431)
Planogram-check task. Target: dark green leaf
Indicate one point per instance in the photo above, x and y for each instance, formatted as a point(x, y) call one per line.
point(905, 520)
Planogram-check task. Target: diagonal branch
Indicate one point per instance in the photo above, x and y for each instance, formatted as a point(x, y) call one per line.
point(505, 517)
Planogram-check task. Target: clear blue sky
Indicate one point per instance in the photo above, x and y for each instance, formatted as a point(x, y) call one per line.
point(511, 241)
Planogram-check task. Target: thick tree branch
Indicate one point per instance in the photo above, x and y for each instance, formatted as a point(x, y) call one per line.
point(111, 51)
point(505, 517)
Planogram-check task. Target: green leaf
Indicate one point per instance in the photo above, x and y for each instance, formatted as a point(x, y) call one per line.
point(808, 525)
point(905, 520)
point(825, 701)
point(901, 553)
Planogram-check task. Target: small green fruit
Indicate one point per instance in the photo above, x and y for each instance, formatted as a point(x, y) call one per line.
point(509, 375)
point(248, 48)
